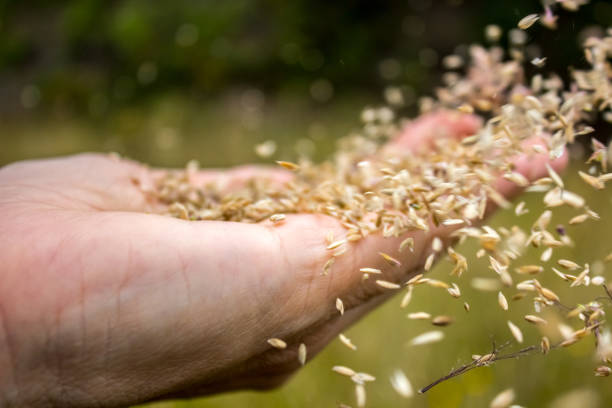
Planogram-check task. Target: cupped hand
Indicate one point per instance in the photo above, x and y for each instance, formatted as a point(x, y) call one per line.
point(105, 303)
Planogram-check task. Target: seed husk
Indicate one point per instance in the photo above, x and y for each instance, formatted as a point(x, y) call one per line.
point(419, 316)
point(592, 181)
point(370, 271)
point(288, 165)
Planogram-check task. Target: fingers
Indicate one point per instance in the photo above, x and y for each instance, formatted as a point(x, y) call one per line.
point(422, 132)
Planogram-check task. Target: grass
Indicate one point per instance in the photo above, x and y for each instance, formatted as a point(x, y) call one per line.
point(170, 131)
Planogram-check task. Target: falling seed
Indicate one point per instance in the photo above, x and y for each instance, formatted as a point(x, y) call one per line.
point(362, 378)
point(603, 371)
point(288, 165)
point(529, 269)
point(466, 306)
point(336, 244)
point(454, 291)
point(538, 62)
point(387, 285)
point(342, 370)
point(567, 264)
point(545, 345)
point(553, 175)
point(442, 321)
point(265, 149)
point(528, 21)
point(276, 218)
point(579, 219)
point(347, 342)
point(407, 297)
point(419, 316)
point(392, 261)
point(535, 319)
point(516, 332)
point(592, 181)
point(302, 353)
point(427, 338)
point(429, 262)
point(436, 244)
point(371, 270)
point(340, 306)
point(407, 243)
point(502, 301)
point(360, 395)
point(503, 399)
point(401, 384)
point(277, 343)
point(328, 265)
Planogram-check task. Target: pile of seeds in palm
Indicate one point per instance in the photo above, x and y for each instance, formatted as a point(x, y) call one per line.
point(372, 189)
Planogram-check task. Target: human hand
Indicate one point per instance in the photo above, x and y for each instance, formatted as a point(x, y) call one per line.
point(103, 302)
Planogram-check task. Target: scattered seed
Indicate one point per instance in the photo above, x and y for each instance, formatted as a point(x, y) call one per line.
point(340, 306)
point(427, 338)
point(535, 319)
point(401, 384)
point(387, 285)
point(503, 399)
point(342, 370)
point(302, 353)
point(347, 342)
point(277, 343)
point(442, 321)
point(502, 301)
point(390, 260)
point(288, 165)
point(516, 332)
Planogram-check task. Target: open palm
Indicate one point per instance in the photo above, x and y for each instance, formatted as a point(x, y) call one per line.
point(105, 303)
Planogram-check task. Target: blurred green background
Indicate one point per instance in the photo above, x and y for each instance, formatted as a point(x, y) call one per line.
point(165, 82)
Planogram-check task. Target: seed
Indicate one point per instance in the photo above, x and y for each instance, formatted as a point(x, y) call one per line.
point(436, 244)
point(336, 244)
point(529, 269)
point(549, 294)
point(454, 291)
point(466, 306)
point(392, 261)
point(465, 108)
point(603, 371)
point(277, 343)
point(427, 338)
point(340, 306)
point(401, 384)
point(288, 165)
point(528, 21)
point(360, 395)
point(265, 149)
point(554, 176)
point(503, 399)
point(535, 319)
point(328, 265)
point(569, 342)
point(520, 209)
point(347, 342)
point(567, 264)
point(371, 270)
point(407, 297)
point(538, 62)
point(579, 219)
point(302, 353)
point(442, 321)
point(545, 345)
point(592, 181)
point(342, 370)
point(407, 243)
point(429, 262)
point(608, 258)
point(502, 301)
point(419, 316)
point(516, 332)
point(387, 285)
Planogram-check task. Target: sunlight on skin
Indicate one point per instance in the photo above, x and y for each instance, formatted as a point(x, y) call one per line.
point(104, 302)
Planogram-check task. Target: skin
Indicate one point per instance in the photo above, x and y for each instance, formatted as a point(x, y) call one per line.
point(103, 303)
